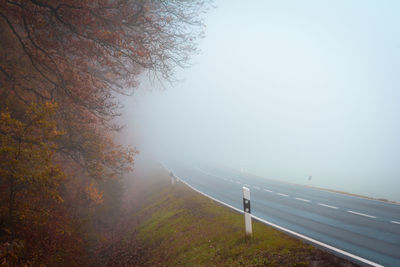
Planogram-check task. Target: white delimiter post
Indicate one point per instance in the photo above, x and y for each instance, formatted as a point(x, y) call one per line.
point(247, 211)
point(172, 177)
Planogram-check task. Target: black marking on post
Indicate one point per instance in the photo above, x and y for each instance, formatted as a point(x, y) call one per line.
point(246, 205)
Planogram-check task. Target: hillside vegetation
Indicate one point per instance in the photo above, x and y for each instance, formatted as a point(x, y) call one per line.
point(65, 67)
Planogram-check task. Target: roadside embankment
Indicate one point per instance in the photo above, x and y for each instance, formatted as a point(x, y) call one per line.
point(171, 225)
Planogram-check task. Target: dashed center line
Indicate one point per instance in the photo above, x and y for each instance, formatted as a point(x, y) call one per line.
point(306, 200)
point(284, 195)
point(302, 199)
point(328, 206)
point(361, 214)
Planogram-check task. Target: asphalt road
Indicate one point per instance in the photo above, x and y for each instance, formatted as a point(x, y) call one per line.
point(369, 229)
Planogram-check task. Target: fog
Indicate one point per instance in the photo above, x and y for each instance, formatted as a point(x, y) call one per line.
point(285, 90)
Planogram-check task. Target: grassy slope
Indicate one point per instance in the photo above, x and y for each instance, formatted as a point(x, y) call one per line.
point(175, 226)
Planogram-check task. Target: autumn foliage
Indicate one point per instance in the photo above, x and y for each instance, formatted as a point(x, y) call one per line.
point(63, 65)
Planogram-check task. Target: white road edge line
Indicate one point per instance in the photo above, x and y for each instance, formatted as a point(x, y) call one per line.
point(238, 182)
point(256, 187)
point(328, 206)
point(302, 199)
point(284, 195)
point(309, 239)
point(266, 190)
point(396, 222)
point(361, 214)
point(246, 185)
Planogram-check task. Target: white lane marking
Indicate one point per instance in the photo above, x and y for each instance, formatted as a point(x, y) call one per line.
point(284, 195)
point(302, 199)
point(338, 250)
point(361, 214)
point(238, 182)
point(328, 206)
point(266, 190)
point(246, 185)
point(231, 180)
point(256, 187)
point(396, 222)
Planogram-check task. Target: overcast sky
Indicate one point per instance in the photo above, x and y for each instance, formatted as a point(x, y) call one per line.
point(287, 89)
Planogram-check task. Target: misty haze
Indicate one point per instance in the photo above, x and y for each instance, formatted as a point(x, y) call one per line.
point(285, 92)
point(199, 133)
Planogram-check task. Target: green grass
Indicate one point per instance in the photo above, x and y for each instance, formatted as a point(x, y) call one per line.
point(179, 227)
